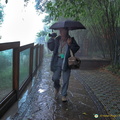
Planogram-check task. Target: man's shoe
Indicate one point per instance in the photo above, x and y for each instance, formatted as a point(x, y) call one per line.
point(64, 99)
point(56, 93)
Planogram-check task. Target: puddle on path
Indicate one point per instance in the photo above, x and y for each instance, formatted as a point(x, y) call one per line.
point(41, 90)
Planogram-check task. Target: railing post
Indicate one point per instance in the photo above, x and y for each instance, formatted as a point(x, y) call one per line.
point(16, 70)
point(42, 51)
point(31, 62)
point(39, 54)
point(37, 57)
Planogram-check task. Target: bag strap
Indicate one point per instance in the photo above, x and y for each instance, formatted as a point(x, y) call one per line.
point(71, 53)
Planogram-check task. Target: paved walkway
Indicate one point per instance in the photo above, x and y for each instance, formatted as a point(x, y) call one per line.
point(106, 87)
point(88, 92)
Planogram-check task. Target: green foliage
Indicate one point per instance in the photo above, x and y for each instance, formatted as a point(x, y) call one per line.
point(1, 13)
point(67, 9)
point(41, 33)
point(47, 38)
point(114, 68)
point(5, 60)
point(6, 70)
point(5, 80)
point(40, 5)
point(101, 18)
point(47, 19)
point(24, 72)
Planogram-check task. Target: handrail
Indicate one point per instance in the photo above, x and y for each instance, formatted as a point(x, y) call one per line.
point(26, 46)
point(9, 45)
point(17, 90)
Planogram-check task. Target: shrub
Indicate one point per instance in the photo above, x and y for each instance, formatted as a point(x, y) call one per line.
point(114, 68)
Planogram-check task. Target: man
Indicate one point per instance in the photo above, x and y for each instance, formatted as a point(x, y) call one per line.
point(59, 64)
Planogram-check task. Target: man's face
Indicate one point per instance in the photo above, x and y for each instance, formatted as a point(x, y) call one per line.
point(63, 32)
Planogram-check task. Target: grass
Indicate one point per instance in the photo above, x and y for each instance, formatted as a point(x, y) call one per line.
point(114, 69)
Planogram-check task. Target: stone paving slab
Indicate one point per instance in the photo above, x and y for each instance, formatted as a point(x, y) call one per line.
point(105, 86)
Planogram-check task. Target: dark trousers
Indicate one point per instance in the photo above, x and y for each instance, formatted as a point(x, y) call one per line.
point(65, 77)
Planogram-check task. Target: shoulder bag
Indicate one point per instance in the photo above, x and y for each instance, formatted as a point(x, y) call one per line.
point(73, 62)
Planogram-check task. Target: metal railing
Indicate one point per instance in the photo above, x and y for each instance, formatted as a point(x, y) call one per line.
point(18, 65)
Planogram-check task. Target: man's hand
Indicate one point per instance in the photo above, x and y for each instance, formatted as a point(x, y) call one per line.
point(69, 40)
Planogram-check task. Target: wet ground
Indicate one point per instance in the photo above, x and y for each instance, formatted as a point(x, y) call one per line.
point(90, 92)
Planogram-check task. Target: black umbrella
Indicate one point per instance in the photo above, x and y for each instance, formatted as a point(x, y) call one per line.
point(71, 25)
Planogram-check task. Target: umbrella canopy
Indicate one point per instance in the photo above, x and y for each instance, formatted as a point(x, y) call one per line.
point(69, 24)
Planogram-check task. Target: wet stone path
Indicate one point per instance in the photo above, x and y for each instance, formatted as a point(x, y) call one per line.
point(106, 87)
point(38, 101)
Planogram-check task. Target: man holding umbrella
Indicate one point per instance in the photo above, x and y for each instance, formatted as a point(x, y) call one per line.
point(61, 47)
